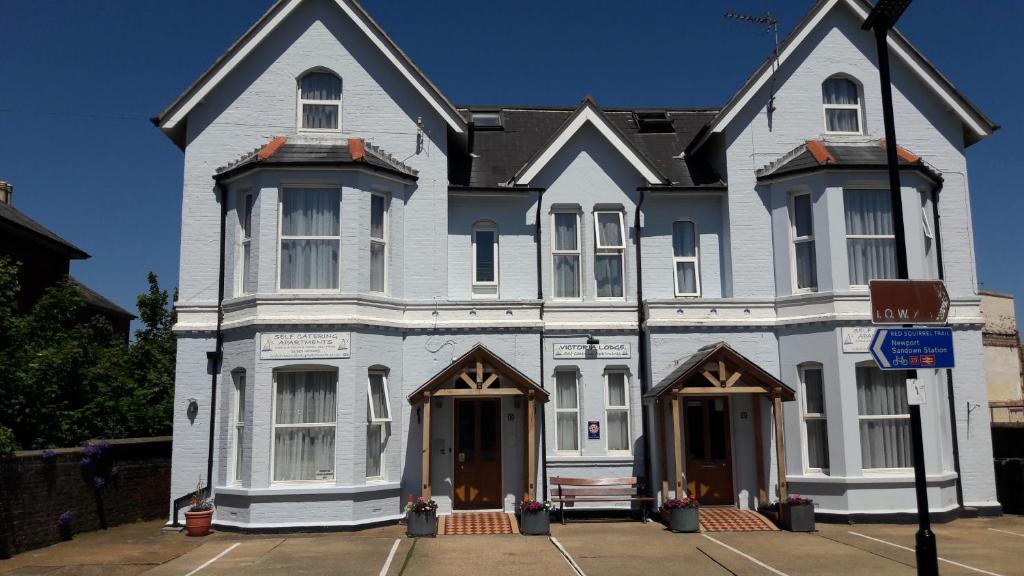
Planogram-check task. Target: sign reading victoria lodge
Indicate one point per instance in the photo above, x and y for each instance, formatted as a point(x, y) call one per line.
point(579, 351)
point(305, 345)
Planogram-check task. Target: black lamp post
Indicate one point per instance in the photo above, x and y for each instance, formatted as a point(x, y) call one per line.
point(881, 19)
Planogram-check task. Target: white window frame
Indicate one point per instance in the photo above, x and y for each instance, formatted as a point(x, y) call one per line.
point(281, 191)
point(301, 101)
point(858, 107)
point(578, 253)
point(695, 259)
point(484, 290)
point(795, 239)
point(383, 241)
point(848, 236)
point(274, 425)
point(862, 417)
point(237, 424)
point(245, 212)
point(577, 410)
point(376, 421)
point(807, 416)
point(610, 250)
point(623, 408)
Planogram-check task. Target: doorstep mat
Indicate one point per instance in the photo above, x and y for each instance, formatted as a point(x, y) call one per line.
point(729, 519)
point(468, 523)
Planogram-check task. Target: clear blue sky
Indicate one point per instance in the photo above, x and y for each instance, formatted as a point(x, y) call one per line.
point(79, 78)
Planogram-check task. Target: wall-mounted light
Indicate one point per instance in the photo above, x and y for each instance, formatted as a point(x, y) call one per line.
point(192, 410)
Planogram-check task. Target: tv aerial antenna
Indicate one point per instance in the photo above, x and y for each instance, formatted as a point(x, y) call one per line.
point(771, 26)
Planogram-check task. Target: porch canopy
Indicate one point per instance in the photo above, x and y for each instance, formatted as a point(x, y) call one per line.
point(718, 370)
point(480, 373)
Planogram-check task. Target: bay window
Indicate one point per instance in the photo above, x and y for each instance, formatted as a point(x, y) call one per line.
point(610, 244)
point(567, 411)
point(685, 263)
point(378, 418)
point(305, 419)
point(805, 270)
point(812, 392)
point(884, 419)
point(565, 254)
point(378, 242)
point(310, 238)
point(616, 411)
point(485, 260)
point(870, 235)
point(247, 279)
point(320, 102)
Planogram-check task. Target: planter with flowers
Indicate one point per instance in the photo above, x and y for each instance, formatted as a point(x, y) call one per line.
point(796, 514)
point(199, 515)
point(683, 514)
point(534, 516)
point(421, 517)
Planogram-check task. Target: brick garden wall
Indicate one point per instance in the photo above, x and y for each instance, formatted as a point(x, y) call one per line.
point(37, 486)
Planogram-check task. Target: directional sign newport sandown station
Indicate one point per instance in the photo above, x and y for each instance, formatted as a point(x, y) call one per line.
point(909, 302)
point(913, 348)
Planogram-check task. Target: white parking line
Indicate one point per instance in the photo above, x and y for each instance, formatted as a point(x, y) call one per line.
point(214, 559)
point(565, 554)
point(979, 570)
point(1006, 532)
point(747, 556)
point(391, 556)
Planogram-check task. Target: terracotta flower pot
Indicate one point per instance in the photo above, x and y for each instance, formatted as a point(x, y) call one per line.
point(198, 523)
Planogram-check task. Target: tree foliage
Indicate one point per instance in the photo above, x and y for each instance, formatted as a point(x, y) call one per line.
point(65, 377)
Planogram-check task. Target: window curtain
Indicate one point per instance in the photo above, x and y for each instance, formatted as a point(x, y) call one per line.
point(817, 429)
point(684, 243)
point(618, 419)
point(817, 444)
point(608, 230)
point(608, 275)
point(803, 227)
point(869, 213)
point(844, 92)
point(239, 422)
point(309, 263)
point(565, 232)
point(374, 449)
point(320, 86)
point(686, 277)
point(377, 397)
point(377, 243)
point(306, 452)
point(567, 276)
point(567, 421)
point(376, 267)
point(884, 442)
point(485, 255)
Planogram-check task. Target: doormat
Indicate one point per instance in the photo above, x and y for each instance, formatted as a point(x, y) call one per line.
point(729, 519)
point(477, 523)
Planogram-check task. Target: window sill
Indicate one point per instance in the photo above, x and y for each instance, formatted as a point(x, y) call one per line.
point(310, 488)
point(904, 476)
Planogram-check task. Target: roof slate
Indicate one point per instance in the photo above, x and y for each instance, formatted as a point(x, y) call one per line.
point(842, 155)
point(96, 300)
point(500, 154)
point(11, 215)
point(281, 152)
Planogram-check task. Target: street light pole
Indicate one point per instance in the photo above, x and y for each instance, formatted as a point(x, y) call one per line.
point(881, 19)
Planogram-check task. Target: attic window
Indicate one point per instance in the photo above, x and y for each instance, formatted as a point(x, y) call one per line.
point(487, 120)
point(653, 122)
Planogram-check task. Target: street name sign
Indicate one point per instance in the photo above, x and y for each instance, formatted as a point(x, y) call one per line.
point(908, 302)
point(913, 348)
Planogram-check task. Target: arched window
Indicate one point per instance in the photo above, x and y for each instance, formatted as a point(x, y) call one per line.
point(320, 101)
point(238, 424)
point(841, 99)
point(378, 421)
point(485, 259)
point(812, 408)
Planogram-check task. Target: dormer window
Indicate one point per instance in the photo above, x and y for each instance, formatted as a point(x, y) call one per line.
point(320, 102)
point(487, 120)
point(841, 100)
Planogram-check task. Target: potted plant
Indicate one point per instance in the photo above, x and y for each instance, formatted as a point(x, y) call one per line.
point(683, 514)
point(770, 510)
point(534, 518)
point(797, 514)
point(199, 515)
point(421, 517)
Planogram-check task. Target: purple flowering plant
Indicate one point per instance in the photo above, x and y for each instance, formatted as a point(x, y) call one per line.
point(421, 505)
point(684, 502)
point(528, 505)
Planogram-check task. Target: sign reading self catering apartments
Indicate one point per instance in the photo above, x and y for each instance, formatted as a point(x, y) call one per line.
point(574, 351)
point(305, 345)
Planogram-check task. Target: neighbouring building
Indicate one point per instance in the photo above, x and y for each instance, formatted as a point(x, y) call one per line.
point(385, 295)
point(44, 259)
point(1004, 373)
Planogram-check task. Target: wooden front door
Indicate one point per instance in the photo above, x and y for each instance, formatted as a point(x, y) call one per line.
point(708, 450)
point(477, 454)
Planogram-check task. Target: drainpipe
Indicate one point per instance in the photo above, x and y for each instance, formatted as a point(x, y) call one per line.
point(543, 378)
point(949, 373)
point(641, 348)
point(217, 354)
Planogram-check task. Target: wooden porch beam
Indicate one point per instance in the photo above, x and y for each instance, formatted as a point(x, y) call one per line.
point(426, 445)
point(479, 392)
point(780, 448)
point(711, 378)
point(733, 379)
point(469, 381)
point(531, 440)
point(721, 372)
point(660, 407)
point(707, 391)
point(677, 437)
point(490, 380)
point(479, 372)
point(762, 495)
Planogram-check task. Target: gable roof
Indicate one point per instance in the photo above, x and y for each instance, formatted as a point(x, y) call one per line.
point(281, 152)
point(168, 120)
point(588, 112)
point(498, 154)
point(977, 125)
point(97, 301)
point(815, 155)
point(692, 367)
point(13, 218)
point(479, 353)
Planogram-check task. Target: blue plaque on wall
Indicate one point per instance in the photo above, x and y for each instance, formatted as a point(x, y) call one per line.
point(594, 430)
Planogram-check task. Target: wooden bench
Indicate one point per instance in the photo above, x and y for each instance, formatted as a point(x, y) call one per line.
point(577, 490)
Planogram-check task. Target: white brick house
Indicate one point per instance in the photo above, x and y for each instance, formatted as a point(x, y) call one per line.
point(362, 261)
